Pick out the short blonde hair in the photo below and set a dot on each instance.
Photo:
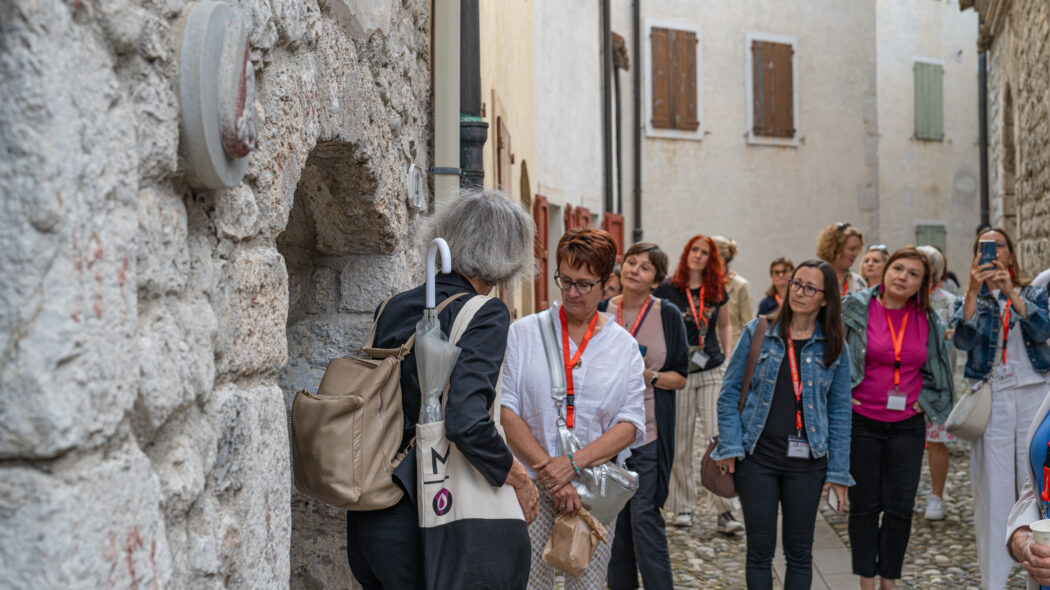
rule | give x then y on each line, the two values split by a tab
832	240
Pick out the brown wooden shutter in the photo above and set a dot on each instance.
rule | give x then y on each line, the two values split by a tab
773	89
613	223
683	76
570	217
542	214
583	217
661	90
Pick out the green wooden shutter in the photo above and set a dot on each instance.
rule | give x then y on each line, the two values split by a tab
929	101
932	235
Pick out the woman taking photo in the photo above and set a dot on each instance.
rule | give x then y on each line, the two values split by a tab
839	244
698	289
604	378
1002	327
792	439
873	263
779	272
383	545
899	370
640	545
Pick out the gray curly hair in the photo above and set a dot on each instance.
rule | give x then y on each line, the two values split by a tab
489	236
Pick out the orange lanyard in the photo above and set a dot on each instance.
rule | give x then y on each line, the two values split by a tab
898	343
570	404
638	319
845	285
796	382
698	312
777	297
1004	319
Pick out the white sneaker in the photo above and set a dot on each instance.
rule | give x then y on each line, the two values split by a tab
683	519
934	508
729	525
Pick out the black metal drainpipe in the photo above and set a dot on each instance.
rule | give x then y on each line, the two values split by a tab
639	127
982	114
619	144
473	131
607	65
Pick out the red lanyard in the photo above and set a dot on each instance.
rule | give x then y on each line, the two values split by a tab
898	343
845	285
796	382
698	313
638	319
570	404
1004	319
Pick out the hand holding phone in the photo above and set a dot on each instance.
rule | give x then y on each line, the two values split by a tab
986	248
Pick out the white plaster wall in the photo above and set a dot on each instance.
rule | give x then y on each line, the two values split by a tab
922	181
772	200
567	111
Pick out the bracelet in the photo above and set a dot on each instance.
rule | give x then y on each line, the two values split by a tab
574	467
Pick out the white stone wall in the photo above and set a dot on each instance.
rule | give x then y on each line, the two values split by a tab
152	334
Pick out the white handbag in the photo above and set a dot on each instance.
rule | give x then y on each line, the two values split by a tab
969	418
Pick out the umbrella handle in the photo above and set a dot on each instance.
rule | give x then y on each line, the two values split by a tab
446	266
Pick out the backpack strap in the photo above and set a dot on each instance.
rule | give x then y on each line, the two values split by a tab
752	358
459	327
402	351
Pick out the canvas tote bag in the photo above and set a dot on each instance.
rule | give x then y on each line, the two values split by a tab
474	534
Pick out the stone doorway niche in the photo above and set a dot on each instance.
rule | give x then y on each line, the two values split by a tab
336	243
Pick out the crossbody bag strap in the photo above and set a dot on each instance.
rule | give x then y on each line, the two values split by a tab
459	327
402	351
752	358
553	354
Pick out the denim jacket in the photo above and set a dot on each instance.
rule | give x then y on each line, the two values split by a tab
937	385
979	336
825	400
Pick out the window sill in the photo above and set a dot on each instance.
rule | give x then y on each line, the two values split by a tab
661	133
791	142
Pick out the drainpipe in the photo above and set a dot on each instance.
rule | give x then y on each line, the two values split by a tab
473	131
446	100
619	144
607	66
639	126
982	115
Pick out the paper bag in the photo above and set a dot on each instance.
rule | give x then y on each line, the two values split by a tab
573	541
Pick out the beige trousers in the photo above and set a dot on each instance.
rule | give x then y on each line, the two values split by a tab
700	397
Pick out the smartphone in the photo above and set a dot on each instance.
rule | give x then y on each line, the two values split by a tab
986	248
833	500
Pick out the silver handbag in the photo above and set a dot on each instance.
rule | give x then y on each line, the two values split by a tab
603	489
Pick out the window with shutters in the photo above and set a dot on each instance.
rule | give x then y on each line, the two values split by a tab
929	99
672	79
772	89
613	223
541	212
932	234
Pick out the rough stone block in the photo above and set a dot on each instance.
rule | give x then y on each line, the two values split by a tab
367	280
360	18
238	215
162	257
87	522
256	309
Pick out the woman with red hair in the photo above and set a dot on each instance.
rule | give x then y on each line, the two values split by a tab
698	289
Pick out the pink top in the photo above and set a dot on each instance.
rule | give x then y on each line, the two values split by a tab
872	392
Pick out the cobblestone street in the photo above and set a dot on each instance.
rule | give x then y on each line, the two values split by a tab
941	555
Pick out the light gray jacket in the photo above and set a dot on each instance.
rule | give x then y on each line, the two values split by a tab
1026	509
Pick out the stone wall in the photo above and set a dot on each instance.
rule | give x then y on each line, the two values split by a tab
152	335
1019	128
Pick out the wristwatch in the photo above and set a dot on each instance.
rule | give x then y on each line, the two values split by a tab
652	380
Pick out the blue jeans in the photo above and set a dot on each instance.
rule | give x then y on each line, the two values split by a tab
641	536
886	461
762	491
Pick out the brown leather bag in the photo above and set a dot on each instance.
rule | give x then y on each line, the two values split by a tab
720	482
345	438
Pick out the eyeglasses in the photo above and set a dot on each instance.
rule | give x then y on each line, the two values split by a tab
783	271
807	290
582	287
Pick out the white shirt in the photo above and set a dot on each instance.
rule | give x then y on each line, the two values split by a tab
1018	371
609	384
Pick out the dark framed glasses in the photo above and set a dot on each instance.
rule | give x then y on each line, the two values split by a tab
807	290
582	287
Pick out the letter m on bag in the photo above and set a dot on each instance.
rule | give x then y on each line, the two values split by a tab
435	456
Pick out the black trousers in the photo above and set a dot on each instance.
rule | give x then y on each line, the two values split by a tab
383	547
762	492
886	461
640	543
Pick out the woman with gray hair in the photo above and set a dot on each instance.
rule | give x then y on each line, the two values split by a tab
491	242
937	435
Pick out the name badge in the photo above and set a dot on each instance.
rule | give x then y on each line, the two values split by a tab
1004	377
896	400
798	448
700	359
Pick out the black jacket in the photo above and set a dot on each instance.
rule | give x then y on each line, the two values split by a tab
468	423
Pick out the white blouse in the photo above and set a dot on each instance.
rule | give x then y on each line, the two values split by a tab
609	384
